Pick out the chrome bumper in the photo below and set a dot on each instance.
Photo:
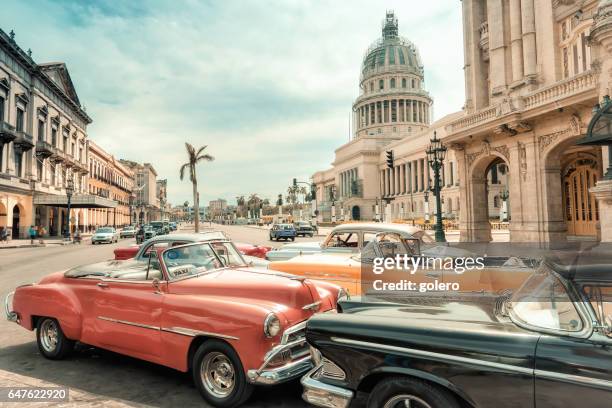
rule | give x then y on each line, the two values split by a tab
11	316
300	364
324	395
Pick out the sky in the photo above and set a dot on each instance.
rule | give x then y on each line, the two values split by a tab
267	85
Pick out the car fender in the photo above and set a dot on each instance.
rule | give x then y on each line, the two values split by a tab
409	372
189	318
50	300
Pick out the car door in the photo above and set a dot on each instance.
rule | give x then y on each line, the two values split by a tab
128	308
573	372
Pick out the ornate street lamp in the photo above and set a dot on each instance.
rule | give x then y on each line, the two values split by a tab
504	195
435	156
69	192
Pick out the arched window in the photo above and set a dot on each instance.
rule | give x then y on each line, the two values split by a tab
403	82
392	82
575	51
381	84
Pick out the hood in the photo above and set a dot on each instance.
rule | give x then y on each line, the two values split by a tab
272	290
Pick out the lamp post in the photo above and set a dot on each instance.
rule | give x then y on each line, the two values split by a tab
69	192
435	156
504	195
426	204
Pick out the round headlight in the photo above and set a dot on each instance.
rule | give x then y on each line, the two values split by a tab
272	325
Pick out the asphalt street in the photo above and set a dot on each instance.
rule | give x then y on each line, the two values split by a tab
99	378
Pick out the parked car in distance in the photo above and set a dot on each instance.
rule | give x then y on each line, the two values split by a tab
140	252
342	257
258	251
128	232
304	228
173	226
149	232
549	344
160	227
282	231
106	235
195	308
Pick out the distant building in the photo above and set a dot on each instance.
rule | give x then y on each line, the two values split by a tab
145	201
110	179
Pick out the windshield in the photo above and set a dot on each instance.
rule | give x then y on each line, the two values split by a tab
543	302
104	230
197	258
190	260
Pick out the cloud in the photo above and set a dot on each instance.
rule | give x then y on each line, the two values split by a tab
267	85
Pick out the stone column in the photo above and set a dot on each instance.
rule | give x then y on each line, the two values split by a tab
516	40
601	34
603	194
497	46
529	38
404	108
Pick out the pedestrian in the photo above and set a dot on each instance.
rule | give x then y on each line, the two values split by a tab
77	236
41	233
3	234
32	234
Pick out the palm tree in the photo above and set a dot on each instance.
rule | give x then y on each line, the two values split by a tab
194	158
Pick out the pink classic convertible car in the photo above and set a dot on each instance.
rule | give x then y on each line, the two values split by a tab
195	307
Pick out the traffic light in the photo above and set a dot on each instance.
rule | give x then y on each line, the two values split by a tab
294	182
390	159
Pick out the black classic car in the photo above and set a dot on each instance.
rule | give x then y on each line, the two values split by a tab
548	344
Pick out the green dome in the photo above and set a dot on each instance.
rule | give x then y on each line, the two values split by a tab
391	51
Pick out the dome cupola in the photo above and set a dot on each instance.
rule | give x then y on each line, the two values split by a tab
391	52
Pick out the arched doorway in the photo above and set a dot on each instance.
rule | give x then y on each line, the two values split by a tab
356	213
487	198
16	222
580	207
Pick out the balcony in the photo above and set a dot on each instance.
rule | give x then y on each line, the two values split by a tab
23	141
7	133
550	97
563	89
44	149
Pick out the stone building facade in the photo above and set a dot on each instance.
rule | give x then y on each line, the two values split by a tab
110	179
43	142
533	73
145	200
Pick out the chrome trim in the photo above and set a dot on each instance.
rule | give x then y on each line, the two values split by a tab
569	378
324	395
177	330
144	326
194	333
291	330
11	315
437	356
313	306
280	374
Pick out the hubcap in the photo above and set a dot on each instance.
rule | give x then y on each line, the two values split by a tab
406	401
218	374
48	335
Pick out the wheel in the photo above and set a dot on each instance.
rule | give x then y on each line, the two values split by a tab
219	376
271	239
408	392
292	238
310	235
52	342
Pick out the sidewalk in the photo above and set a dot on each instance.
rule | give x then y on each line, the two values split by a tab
26	243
